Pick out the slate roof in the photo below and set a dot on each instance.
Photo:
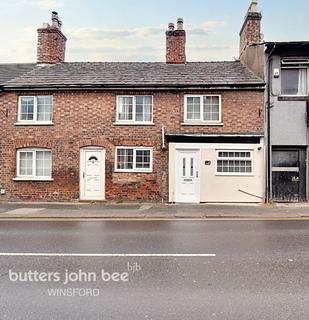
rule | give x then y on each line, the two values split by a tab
9	71
136	74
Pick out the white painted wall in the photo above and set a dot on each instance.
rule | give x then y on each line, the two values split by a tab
216	188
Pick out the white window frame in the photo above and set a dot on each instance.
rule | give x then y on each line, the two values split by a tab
133	121
294	63
140	170
201	119
33	177
237	159
35	111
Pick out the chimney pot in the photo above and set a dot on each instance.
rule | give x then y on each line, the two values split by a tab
180	24
253	6
171	26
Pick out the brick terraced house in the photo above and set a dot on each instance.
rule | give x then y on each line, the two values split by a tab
172	131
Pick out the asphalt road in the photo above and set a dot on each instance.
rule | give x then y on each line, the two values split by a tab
259	270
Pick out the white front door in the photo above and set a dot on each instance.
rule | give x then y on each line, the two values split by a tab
92	174
187	176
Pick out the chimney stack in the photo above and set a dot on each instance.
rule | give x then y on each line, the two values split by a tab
250	32
176	43
51	42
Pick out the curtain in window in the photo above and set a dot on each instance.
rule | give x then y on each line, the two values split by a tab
302	82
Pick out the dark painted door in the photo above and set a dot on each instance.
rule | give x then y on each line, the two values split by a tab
288	175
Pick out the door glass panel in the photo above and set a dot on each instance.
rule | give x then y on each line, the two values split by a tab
285	158
191	167
183	167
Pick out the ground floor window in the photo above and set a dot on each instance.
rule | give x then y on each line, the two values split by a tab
234	162
34	163
133	159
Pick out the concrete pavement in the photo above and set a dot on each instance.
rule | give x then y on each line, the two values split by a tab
151	211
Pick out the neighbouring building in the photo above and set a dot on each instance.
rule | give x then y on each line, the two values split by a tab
287	114
172	131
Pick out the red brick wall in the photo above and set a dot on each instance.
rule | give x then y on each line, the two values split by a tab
176	46
51	45
251	31
86	118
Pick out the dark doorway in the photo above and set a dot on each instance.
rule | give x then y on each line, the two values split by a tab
289	174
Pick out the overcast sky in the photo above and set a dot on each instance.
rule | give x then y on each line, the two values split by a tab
133	30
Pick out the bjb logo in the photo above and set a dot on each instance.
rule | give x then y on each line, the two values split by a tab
134	267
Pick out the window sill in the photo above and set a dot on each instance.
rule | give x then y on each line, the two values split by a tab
202	123
32	179
133	123
131	171
234	175
293	98
43	123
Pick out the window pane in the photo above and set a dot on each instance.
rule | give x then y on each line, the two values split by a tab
236	162
26	108
44	108
143	108
43	163
142	159
125	108
211	108
125	159
193	108
294	81
26	163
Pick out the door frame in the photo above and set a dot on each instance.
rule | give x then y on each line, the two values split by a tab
82	169
198	158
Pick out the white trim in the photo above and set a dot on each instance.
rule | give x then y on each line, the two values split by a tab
237	159
33	123
205	123
33	177
200	120
133	121
139	170
285	169
82	170
35	113
129	123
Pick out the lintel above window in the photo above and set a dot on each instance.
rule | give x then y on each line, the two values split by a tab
202	109
134	110
35	110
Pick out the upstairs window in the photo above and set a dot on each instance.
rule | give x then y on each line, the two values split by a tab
134	109
294	77
206	108
34	164
35	109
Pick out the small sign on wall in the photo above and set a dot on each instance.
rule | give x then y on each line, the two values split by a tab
207	163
